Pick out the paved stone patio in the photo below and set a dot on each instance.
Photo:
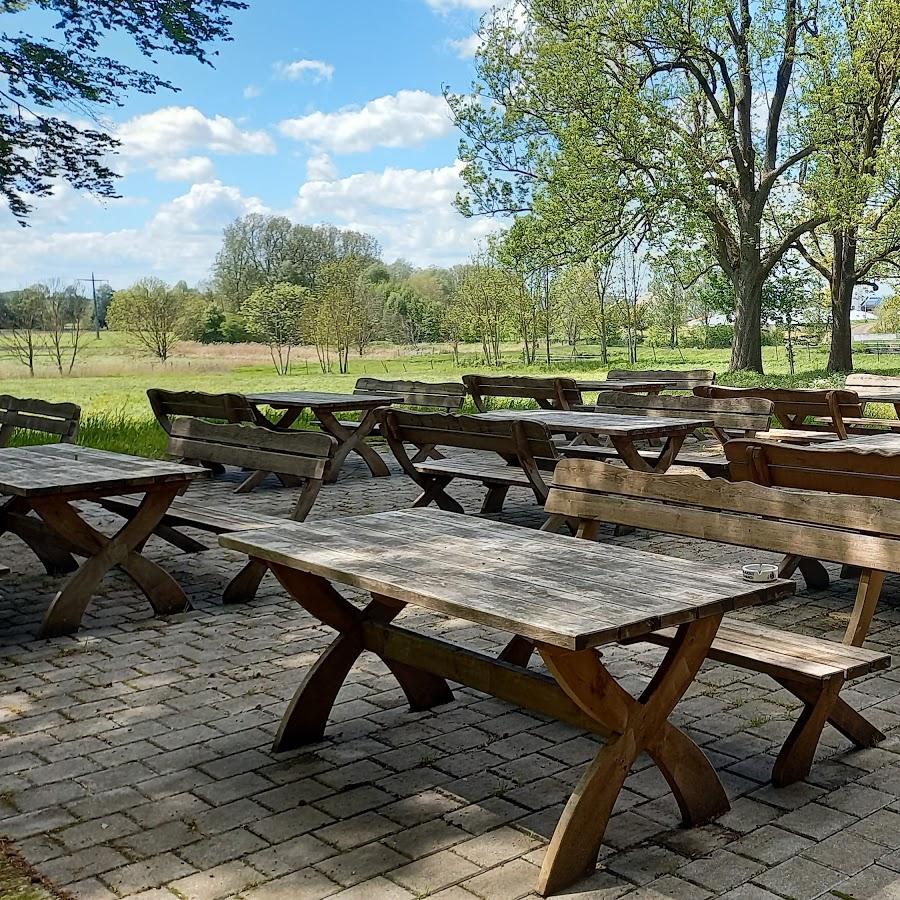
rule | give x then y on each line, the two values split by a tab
135	760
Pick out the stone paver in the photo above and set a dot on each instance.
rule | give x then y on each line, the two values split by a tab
135	758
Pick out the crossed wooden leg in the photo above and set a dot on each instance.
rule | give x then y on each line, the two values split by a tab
822	704
307	714
814	573
633	725
54	553
103	553
351	441
629	454
433	491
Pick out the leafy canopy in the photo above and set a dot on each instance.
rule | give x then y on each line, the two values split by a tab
50	83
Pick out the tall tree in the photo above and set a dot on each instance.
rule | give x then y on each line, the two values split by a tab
853	92
44	78
274	314
680	109
154	314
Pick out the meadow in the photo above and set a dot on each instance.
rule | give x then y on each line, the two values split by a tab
112	374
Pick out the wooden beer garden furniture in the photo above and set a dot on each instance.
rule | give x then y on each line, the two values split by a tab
516	454
642	381
301	455
48	480
859	530
447	396
863	466
547	393
799	409
624	432
508	578
744	416
324	407
59	420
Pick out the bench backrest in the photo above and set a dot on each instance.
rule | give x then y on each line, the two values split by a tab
859	531
684	379
864	379
19	414
851	471
792	407
447	395
304	454
738	416
521	442
548	393
169	405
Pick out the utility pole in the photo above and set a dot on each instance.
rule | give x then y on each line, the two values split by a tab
93	280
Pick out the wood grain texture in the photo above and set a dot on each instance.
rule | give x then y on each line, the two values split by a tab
547	393
61	420
677	379
603	424
506	577
315	399
51	469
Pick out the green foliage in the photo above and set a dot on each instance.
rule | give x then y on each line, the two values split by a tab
155	314
70	72
274	315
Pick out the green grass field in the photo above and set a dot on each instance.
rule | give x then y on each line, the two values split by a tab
112	375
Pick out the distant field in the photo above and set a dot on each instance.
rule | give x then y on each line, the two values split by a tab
112	375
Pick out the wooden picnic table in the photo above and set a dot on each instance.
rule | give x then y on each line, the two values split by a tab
48	480
324	406
631	387
508	578
623	432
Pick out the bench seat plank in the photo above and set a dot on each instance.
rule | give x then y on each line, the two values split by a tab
784	654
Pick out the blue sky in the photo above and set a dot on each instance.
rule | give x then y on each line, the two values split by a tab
322	111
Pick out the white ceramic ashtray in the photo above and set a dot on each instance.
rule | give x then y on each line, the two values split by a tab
759	572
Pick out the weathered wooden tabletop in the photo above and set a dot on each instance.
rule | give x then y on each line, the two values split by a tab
609	424
637	386
546	587
885	442
70	469
313	399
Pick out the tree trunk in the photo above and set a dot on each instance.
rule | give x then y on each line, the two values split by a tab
842	283
746	351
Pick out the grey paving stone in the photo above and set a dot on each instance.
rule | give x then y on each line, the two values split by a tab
800	878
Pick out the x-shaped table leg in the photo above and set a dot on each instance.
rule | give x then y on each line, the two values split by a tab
629	454
634	726
103	553
54	553
351	441
307	714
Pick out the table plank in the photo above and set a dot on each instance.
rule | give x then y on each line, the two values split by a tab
884	443
608	424
70	469
506	576
313	399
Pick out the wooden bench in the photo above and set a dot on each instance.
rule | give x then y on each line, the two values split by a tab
167	406
798	410
853	529
742	416
301	454
60	420
547	393
674	379
521	450
836	471
446	396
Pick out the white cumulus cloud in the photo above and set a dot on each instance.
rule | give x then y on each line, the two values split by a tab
320	167
186	168
410	211
251	92
466	47
174	131
403	119
314	69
